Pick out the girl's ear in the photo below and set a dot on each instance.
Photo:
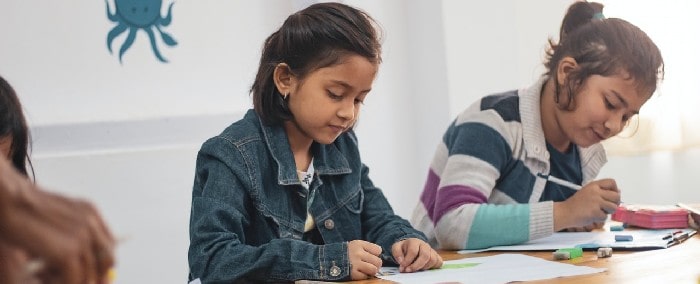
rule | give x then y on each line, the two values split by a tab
564	68
283	78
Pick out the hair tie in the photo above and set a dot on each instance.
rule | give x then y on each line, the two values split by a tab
598	16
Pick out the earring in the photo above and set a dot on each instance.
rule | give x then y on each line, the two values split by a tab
284	103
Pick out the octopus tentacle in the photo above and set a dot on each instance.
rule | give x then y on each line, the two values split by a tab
127	43
154	47
167	38
115	32
166	21
110	16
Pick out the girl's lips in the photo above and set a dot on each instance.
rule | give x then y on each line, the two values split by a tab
600	137
338	128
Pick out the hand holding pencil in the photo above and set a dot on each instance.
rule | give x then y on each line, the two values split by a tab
588	206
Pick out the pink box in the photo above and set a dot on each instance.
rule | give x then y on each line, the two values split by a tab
652	216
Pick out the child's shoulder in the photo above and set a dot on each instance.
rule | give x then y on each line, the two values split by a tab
501	106
505	104
242	131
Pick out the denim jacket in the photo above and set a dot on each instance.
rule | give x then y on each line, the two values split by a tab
249	208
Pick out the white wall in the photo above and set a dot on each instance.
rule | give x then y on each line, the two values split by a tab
496	46
659	178
126	135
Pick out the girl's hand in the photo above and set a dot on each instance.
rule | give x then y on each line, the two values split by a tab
66	239
591	227
589	205
415	255
364	259
13	265
695	220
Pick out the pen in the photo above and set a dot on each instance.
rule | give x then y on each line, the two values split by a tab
681	238
559	181
670	235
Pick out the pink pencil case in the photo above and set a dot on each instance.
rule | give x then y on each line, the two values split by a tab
652	216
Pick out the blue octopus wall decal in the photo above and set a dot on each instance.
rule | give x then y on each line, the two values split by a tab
134	15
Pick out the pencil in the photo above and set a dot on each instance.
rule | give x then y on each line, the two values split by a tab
561	182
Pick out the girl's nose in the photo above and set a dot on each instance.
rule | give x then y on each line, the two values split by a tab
347	111
614	125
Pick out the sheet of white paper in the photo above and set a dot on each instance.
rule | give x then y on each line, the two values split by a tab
649	239
502	268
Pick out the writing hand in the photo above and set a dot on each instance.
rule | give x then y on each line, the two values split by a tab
415	255
591	204
364	259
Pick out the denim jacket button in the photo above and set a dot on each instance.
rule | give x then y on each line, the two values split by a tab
329	224
335	271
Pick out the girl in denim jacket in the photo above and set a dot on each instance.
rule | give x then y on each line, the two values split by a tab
282	194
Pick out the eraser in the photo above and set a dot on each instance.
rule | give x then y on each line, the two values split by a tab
623	238
604	252
573	252
561	255
588	246
617	228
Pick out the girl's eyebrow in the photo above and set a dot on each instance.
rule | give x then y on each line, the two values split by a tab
623	101
348	86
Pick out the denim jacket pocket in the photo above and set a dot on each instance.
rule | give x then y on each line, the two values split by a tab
355	201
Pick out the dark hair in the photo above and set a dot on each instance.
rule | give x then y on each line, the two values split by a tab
603	47
12	123
319	36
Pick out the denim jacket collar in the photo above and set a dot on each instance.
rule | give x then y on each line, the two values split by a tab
328	160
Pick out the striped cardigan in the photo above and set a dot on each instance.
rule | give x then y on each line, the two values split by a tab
483	187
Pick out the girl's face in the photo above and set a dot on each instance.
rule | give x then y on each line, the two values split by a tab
5	146
327	102
603	107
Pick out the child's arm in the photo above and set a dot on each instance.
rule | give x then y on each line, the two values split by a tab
218	256
473	157
379	223
219	249
477	226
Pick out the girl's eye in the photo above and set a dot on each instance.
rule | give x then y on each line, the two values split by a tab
609	105
334	96
359	101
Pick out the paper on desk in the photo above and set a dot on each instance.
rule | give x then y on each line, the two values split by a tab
642	239
502	268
